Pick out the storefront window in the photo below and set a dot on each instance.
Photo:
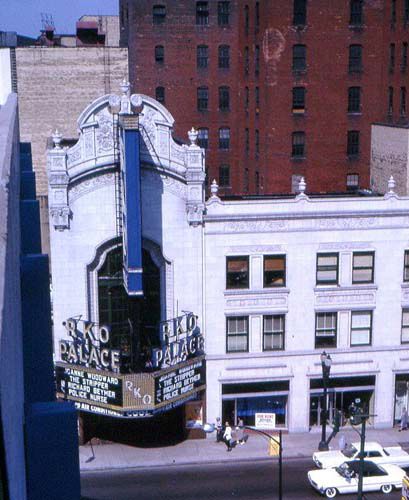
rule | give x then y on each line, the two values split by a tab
243	401
342	392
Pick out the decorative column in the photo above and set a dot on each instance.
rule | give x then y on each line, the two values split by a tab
60	212
195	177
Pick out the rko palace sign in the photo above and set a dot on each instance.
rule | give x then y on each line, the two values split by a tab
88	372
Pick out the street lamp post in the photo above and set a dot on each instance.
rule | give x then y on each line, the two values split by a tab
326	362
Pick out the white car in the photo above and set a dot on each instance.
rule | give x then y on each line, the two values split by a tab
394	455
344	478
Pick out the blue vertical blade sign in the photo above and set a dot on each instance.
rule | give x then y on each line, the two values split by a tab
131	205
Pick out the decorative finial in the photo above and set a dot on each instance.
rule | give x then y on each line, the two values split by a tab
214	188
391	185
302	185
192	136
125	86
57	138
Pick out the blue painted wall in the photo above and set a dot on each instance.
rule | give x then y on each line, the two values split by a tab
51	434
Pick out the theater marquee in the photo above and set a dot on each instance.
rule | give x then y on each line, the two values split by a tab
130	395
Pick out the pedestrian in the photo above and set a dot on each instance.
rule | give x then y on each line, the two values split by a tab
404	420
227	436
219	430
240	434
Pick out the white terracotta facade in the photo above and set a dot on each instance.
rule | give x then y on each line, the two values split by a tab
190	239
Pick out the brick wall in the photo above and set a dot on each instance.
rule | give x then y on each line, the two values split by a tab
54	87
326	122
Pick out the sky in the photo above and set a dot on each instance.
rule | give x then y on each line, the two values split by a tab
24	16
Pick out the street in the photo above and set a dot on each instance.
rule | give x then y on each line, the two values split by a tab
256	480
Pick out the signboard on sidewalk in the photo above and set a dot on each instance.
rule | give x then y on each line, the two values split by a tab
130	395
265	420
274	446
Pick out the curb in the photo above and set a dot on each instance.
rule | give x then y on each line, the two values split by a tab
196	463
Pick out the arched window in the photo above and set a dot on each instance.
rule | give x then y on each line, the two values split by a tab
134	321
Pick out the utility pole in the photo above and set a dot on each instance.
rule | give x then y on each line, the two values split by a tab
361	459
357	416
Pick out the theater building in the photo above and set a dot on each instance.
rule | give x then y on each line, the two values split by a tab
150	281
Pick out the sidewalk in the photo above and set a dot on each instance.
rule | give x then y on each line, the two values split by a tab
118	456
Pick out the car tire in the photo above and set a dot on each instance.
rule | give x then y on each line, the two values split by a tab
331	492
386	488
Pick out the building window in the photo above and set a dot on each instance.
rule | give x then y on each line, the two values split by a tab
298	99
224	138
203	137
257	142
352	182
353	143
246	99
355	58
257	17
237	334
361	328
224	176
159	14
273	332
354	99
257	181
160	94
325	330
393	13
224	98
247	140
237	272
223	10
406	266
298	145
391	58
299	58
257	60
403	101
300	13
327	269
356	13
202	13
246	19
202	98
224	56
257	99
246	60
404	63
274	271
202	56
363	267
246	181
390	101
159	54
405	327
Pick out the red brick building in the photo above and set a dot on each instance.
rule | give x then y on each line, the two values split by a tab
278	90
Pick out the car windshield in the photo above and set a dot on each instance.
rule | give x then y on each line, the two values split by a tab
343	470
349	450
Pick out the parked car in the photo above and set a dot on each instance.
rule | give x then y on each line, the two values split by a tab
394	455
344	478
